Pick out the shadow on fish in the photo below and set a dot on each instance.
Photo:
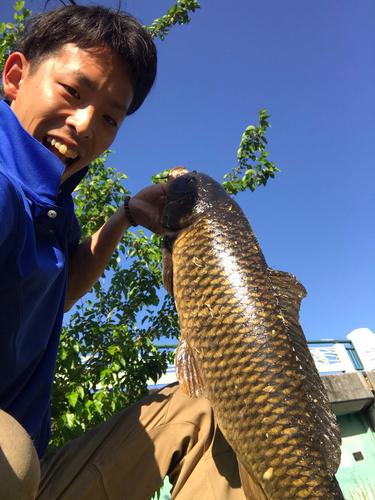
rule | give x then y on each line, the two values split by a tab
243	348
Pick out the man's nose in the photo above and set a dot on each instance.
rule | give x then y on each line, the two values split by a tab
82	120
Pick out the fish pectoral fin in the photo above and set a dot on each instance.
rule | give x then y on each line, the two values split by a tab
187	370
251	489
167	270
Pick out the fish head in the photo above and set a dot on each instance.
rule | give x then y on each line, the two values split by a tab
181	199
189	195
182	208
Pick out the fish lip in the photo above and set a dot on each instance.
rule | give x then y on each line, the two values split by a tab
176	172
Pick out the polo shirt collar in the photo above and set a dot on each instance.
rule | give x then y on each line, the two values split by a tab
26	159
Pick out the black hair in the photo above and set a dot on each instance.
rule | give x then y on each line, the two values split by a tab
89	27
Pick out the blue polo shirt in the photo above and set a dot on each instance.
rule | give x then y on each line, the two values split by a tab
38	231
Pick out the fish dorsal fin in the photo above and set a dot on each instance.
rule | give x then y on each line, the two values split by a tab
167	270
187	371
290	293
251	489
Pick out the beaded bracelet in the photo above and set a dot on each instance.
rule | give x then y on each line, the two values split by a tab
127	212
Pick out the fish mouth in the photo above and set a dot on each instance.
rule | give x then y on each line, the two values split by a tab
63	152
176	172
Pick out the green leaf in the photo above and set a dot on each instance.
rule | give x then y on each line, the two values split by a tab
80	391
19	5
116	366
72	397
112	349
98	406
70	419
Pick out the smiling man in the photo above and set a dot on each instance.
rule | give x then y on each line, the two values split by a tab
77	73
86	96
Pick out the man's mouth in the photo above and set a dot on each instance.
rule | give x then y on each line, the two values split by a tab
61	150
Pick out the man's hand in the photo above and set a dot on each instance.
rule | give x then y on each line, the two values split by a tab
147	206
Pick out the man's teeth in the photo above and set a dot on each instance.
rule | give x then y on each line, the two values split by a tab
63	148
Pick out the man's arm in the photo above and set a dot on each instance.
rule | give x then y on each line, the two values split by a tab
92	255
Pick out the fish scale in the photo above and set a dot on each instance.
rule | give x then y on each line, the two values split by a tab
239	338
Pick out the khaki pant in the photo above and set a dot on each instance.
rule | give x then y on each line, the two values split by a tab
128	456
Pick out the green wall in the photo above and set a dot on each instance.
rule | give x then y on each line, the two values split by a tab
357	478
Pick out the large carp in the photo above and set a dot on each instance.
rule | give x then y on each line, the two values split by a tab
242	345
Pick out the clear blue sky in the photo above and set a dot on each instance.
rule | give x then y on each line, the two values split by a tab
311	63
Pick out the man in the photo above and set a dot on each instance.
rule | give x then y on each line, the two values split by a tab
76	75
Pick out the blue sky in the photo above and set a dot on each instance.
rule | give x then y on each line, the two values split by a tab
311	64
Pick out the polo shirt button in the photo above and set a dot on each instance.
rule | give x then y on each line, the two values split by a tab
51	214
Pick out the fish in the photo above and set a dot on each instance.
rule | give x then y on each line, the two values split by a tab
242	345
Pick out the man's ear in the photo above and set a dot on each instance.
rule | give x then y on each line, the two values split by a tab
15	70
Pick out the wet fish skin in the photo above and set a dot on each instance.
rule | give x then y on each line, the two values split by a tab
241	344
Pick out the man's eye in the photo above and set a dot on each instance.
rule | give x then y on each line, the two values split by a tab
71	91
110	120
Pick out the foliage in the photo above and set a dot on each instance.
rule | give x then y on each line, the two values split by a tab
252	141
12	32
179	13
107	351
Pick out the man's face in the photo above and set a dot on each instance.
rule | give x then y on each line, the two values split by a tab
74	103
